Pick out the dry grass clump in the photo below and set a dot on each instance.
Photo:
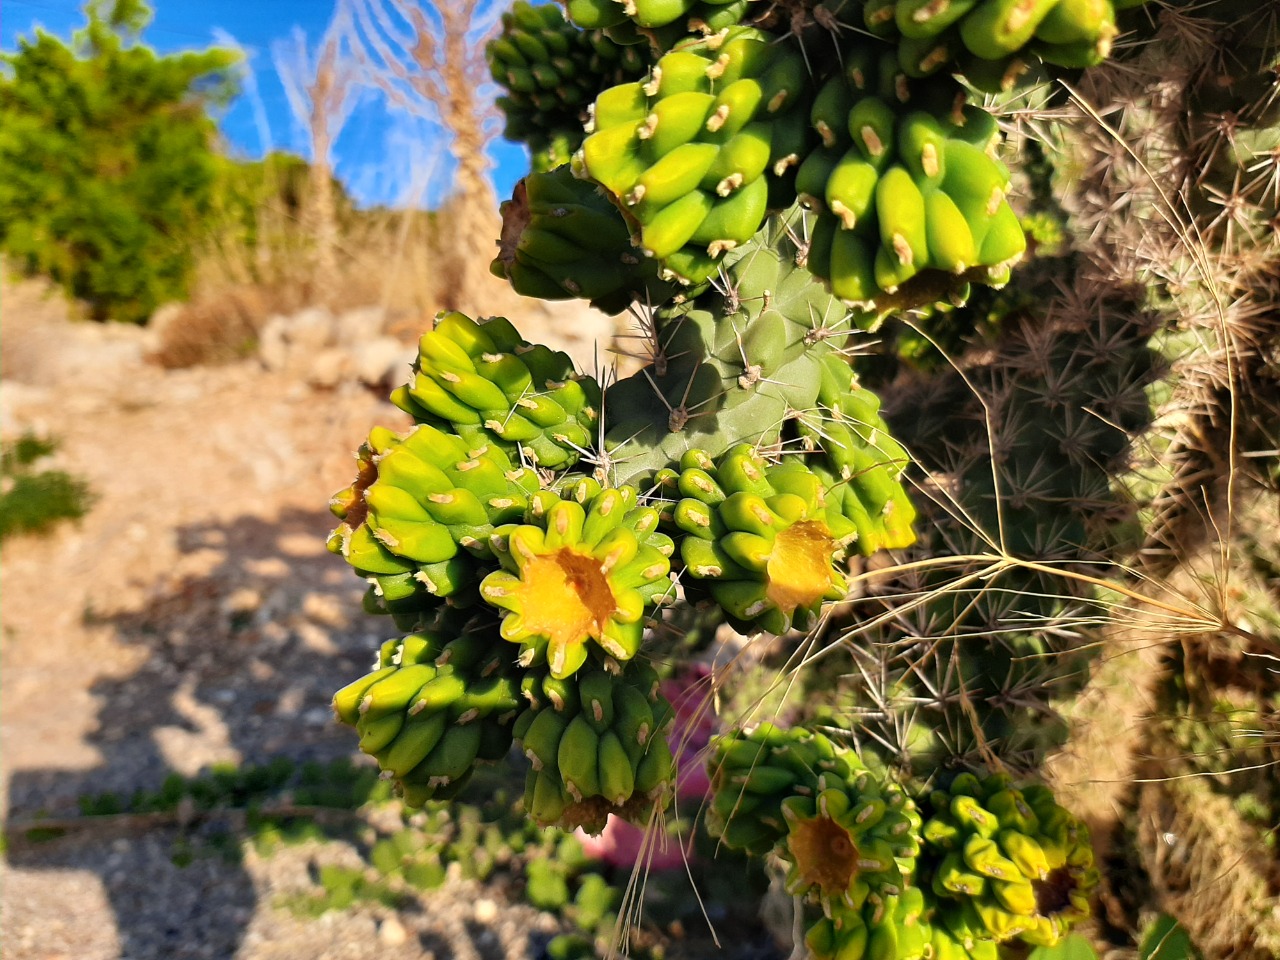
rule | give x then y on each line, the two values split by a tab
217	328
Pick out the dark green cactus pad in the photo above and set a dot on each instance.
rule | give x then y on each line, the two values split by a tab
730	362
562	239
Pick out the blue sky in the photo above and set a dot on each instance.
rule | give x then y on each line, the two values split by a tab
383	155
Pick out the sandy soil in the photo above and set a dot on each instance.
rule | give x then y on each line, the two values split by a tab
192	617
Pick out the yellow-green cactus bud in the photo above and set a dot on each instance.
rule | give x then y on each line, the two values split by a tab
1011	862
758	777
490	387
762	537
840	847
418	518
849	447
438	701
597	746
579	575
689	155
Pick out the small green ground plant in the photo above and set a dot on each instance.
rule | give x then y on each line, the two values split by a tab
32	499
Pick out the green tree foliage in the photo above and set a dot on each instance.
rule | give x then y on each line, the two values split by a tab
107	163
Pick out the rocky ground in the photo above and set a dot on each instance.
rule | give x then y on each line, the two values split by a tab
193	617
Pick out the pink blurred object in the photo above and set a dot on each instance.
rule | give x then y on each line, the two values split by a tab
695	724
622	844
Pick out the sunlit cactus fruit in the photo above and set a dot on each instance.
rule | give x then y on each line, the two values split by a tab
579	576
596	744
550	72
1006	861
911	205
562	239
417	520
491	388
756	775
995	42
688	154
844	844
438	701
963	946
893	925
762	538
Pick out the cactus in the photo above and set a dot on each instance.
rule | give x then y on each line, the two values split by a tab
796	202
550	72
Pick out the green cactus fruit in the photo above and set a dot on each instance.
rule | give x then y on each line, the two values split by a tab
762	538
1006	861
961	946
914	212
598	748
981	38
890	926
439	701
561	238
550	72
849	447
417	520
681	154
493	389
842	936
756	775
579	575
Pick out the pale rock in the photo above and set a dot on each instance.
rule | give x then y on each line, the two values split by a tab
162	321
391	933
361	325
273	344
327	368
383	361
310	330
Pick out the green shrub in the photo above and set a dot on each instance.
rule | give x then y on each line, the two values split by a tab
32	500
106	160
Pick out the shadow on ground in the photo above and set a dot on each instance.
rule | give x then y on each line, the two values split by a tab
239	665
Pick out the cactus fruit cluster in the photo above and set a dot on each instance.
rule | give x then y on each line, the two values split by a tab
950	872
800	204
551	72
